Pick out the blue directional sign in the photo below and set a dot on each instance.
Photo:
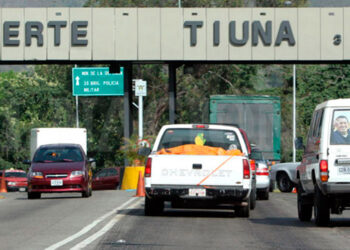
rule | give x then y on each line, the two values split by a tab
97	82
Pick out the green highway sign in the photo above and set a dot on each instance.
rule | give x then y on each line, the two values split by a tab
97	82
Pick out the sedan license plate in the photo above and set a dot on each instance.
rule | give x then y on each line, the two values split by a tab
56	182
22	189
343	170
193	192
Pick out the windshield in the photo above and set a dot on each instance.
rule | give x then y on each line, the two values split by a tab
257	155
15	174
340	133
226	139
59	154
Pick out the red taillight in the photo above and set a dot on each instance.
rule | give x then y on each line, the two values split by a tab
324	170
246	169
148	167
262	170
200	126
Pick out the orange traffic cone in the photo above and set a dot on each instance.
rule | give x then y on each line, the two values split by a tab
3	188
294	190
140	192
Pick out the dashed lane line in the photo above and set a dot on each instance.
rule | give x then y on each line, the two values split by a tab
104	230
90	226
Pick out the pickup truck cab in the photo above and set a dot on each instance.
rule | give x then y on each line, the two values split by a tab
201	163
323	176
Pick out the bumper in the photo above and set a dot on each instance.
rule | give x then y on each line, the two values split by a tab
218	194
262	182
336	188
16	188
77	184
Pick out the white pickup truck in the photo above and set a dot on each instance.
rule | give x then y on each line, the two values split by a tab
200	163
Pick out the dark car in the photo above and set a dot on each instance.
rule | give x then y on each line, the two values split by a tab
107	178
59	168
16	180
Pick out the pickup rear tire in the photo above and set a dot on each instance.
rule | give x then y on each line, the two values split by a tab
243	211
252	199
304	207
284	184
321	208
153	206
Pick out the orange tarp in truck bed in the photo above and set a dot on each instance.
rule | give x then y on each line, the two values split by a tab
192	149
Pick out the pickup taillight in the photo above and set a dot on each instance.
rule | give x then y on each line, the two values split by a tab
148	167
246	169
324	170
253	166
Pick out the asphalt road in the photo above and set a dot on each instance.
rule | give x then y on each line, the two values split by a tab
56	220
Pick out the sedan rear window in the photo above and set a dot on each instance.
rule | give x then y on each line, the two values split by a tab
226	139
59	154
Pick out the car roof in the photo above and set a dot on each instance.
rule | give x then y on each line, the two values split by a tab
211	125
59	145
334	103
13	171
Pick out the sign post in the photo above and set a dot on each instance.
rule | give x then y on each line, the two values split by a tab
140	91
97	82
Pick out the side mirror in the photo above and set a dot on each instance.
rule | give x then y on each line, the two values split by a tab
299	143
27	162
144	151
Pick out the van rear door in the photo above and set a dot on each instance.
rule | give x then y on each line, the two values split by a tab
339	146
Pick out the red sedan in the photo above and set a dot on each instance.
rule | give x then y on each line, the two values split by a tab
59	168
16	180
107	178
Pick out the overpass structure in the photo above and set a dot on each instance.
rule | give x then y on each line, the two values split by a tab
173	36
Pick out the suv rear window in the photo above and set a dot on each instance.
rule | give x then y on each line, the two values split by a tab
58	154
226	139
340	132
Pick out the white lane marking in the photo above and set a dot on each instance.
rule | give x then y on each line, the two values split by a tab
104	230
90	226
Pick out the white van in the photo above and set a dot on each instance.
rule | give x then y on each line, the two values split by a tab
324	173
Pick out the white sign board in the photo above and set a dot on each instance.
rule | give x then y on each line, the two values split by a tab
178	34
140	88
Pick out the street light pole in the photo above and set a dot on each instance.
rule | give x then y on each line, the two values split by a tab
294	111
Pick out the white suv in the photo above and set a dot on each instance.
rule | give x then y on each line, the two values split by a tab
324	173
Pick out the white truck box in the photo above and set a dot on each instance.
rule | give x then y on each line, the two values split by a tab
43	136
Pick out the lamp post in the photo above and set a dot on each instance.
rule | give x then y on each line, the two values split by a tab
294	111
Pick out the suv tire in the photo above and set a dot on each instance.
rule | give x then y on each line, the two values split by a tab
264	195
321	208
304	208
